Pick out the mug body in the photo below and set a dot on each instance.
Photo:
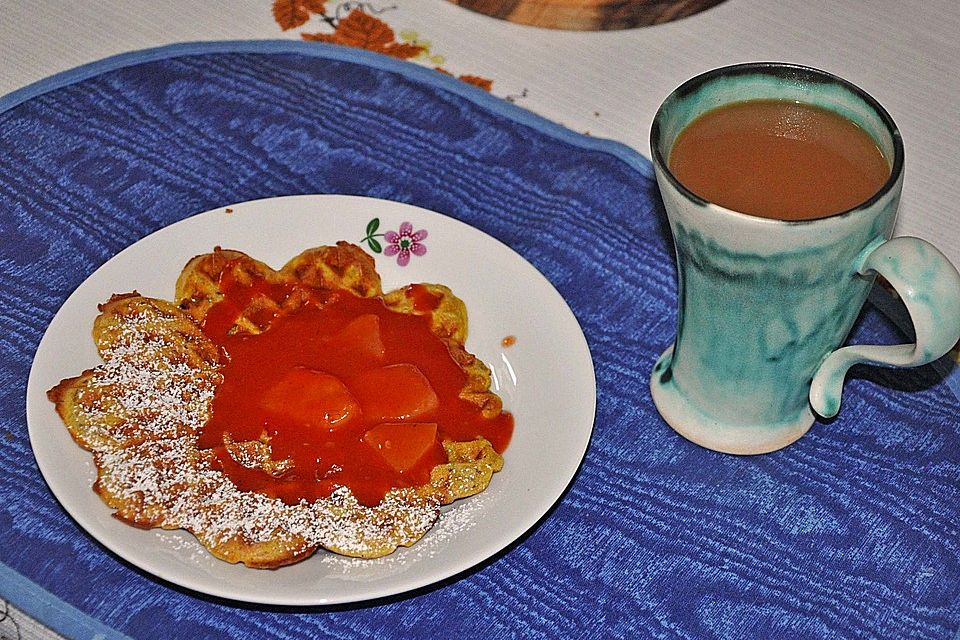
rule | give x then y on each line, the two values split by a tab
761	302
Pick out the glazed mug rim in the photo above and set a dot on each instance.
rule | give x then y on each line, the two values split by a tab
784	70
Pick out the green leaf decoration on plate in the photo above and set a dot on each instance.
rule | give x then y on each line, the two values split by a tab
372	235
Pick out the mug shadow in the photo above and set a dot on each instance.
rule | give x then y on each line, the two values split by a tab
917	379
889	323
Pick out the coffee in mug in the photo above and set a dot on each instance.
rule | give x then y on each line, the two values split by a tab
778	159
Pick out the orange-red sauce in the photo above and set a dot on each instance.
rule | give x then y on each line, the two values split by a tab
324	376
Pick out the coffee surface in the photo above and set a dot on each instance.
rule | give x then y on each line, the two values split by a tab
778	159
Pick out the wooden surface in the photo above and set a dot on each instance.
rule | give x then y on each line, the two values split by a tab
588	15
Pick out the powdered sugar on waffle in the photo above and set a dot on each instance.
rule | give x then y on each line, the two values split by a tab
151	403
154	396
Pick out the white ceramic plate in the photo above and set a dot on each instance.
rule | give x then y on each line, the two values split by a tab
545	378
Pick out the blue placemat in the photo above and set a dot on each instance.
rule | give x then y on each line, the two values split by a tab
852	532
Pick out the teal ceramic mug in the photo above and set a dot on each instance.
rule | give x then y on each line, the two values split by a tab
765	304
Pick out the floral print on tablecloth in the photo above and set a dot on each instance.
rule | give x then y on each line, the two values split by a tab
355	24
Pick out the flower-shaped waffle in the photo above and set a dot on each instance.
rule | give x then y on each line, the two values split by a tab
171	451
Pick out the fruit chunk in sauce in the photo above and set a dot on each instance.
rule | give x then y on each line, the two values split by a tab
349	391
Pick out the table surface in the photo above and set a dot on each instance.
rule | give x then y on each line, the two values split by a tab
607	84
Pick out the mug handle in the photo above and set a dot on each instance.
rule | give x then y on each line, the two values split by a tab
929	286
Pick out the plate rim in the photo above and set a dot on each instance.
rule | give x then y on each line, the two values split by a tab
467	560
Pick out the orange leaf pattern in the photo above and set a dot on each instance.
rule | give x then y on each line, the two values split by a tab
477	81
364	31
290	14
361	30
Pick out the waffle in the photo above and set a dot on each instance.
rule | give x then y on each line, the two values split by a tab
344	266
141	411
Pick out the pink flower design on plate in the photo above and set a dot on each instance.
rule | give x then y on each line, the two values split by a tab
405	243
